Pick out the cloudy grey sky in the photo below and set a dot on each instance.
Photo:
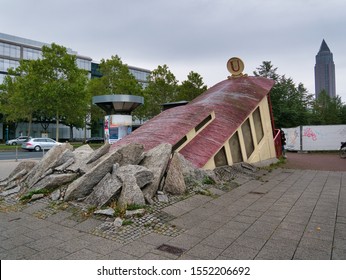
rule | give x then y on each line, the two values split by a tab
197	35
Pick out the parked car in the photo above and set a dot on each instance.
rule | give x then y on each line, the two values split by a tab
94	140
38	144
17	141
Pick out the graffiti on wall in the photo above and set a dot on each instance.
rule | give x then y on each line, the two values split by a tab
308	132
315	137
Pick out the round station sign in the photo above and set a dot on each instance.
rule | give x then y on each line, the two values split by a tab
235	66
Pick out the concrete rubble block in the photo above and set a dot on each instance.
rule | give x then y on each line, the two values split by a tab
142	174
130	193
37	196
95	155
81	155
192	173
161	197
156	161
18	174
55	195
131	154
64	166
11	191
107	212
54	181
174	182
84	185
132	213
48	161
105	191
65	156
26	165
14	180
118	222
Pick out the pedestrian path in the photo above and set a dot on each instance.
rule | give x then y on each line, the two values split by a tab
285	214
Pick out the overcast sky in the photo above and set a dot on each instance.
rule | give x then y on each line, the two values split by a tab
190	35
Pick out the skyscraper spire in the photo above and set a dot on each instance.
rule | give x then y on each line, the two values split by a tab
324	47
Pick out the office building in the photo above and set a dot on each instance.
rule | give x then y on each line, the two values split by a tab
14	48
325	71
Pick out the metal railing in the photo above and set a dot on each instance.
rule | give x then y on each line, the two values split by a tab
277	143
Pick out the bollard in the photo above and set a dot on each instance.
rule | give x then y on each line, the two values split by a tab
16	154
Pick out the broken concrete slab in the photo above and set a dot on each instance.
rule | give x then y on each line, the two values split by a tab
130	193
84	185
48	161
53	181
142	174
131	154
81	154
26	165
95	155
107	212
156	161
174	182
11	191
105	191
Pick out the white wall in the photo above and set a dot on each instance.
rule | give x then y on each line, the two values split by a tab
315	137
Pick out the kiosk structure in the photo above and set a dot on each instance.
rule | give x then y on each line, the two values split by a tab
118	119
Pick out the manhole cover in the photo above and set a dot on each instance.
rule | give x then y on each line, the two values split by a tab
171	249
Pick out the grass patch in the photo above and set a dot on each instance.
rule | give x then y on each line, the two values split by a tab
208	181
134	207
127	223
29	195
280	163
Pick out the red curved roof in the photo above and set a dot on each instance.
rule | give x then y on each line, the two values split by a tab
232	100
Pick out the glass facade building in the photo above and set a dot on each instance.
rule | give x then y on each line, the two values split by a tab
14	48
140	74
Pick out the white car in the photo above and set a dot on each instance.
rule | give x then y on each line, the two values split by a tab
38	144
17	141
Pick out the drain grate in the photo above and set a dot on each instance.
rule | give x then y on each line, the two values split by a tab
258	193
171	249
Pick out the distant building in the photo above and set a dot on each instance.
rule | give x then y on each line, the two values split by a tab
325	71
13	49
140	74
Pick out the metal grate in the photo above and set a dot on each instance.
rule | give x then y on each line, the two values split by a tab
171	249
260	193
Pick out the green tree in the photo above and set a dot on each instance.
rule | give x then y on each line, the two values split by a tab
116	79
64	86
267	70
162	88
53	87
290	103
19	100
191	88
327	110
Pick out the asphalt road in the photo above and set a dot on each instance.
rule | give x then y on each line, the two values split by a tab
20	154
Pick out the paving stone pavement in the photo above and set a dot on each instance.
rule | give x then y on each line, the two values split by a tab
286	214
